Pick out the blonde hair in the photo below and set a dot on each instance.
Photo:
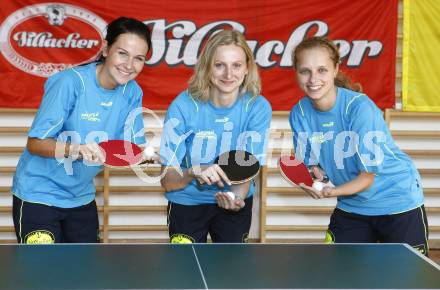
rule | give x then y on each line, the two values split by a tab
341	80
200	82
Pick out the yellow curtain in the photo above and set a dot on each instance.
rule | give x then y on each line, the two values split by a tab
421	55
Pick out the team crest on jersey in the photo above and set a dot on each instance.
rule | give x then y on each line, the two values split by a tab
39	237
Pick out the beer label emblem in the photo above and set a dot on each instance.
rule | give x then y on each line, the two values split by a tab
46	38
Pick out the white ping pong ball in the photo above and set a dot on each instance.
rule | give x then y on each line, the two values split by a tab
230	194
148	152
318	185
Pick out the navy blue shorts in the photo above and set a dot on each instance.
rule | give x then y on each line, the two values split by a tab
37	223
192	223
409	227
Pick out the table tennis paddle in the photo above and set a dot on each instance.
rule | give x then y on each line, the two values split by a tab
121	153
294	171
239	166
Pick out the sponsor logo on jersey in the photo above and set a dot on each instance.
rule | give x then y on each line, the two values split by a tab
328	124
107	104
92	117
222	120
206	134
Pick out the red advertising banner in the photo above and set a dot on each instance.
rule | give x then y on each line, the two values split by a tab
38	38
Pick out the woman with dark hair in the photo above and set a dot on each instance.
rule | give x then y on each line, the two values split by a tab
341	134
222	110
53	191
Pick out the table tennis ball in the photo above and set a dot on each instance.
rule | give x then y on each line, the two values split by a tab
148	152
318	185
230	194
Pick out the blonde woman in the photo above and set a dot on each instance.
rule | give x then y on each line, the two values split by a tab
222	110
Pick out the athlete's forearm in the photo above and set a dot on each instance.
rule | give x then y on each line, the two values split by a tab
241	190
174	180
362	182
47	147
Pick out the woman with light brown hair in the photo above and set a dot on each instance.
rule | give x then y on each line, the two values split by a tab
341	134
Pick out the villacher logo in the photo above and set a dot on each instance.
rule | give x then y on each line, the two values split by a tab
45	38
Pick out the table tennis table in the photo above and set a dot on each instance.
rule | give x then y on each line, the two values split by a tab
216	266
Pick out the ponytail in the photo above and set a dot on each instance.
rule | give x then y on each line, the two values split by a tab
343	81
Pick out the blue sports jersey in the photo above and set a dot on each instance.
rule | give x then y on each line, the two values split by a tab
195	133
76	108
350	138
